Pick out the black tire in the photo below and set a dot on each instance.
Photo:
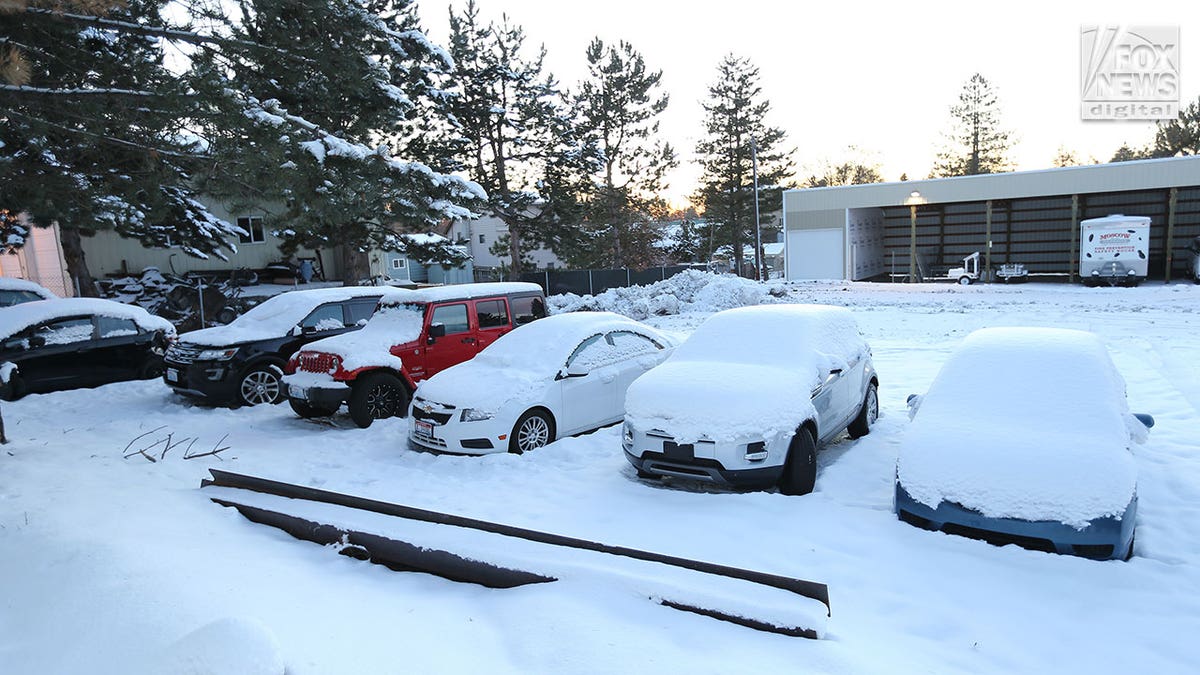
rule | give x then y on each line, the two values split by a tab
533	430
261	384
377	396
964	281
226	316
800	470
151	369
309	411
14	390
861	426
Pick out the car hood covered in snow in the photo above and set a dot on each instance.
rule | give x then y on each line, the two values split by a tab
993	433
393	324
746	373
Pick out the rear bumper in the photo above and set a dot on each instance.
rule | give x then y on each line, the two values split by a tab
1107	538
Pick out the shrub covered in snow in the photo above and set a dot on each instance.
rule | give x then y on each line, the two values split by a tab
688	291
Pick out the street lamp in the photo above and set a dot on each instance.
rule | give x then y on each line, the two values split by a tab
913	200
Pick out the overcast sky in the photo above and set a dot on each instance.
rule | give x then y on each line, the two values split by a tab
877	75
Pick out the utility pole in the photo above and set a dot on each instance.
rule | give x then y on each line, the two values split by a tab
758	249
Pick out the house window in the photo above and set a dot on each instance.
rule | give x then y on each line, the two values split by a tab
481	238
254	226
398	263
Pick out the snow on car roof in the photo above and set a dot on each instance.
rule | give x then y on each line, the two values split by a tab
1027	423
466	291
279	314
17	318
16	284
746	373
525	359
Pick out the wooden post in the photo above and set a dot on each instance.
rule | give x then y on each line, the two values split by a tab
1074	261
912	246
1170	231
987	256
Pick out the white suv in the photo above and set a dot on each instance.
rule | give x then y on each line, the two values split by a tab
750	395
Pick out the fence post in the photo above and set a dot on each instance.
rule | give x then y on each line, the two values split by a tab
591	288
547	282
628	279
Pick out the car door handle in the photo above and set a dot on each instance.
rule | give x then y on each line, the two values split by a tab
468	340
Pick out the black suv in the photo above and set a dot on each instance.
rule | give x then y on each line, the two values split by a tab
241	363
79	342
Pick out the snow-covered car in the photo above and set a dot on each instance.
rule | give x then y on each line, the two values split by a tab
79	342
749	397
562	375
14	291
1024	438
241	363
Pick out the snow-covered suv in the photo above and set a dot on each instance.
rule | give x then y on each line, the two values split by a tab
749	396
410	338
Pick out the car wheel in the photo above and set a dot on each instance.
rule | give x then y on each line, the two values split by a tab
800	470
861	426
14	390
260	385
151	369
533	430
964	281
309	411
377	396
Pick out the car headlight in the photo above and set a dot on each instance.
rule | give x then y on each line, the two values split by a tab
216	354
473	415
626	434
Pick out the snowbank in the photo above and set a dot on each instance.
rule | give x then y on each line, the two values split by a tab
1027	423
279	314
688	291
17	318
746	373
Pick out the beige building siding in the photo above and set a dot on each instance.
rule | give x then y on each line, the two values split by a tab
40	261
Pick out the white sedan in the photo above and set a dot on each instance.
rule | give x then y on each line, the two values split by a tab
559	376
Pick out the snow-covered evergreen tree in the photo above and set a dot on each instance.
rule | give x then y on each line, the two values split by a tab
522	144
735	115
90	134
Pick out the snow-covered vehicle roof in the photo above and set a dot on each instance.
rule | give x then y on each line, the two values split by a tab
746	372
1024	423
276	316
17	318
526	359
15	291
468	291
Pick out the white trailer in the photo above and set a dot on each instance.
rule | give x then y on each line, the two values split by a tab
1114	250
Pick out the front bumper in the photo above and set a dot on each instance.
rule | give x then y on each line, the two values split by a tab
1107	538
725	462
438	427
319	397
207	380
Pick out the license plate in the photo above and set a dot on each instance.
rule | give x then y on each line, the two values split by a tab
673	450
172	375
423	429
297	392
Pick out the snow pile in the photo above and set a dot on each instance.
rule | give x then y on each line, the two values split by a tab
746	373
1027	423
281	313
526	360
688	291
17	318
231	645
393	324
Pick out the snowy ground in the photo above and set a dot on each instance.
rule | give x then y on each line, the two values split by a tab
123	565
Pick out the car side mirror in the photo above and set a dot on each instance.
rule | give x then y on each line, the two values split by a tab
296	330
36	341
914	402
572	371
436	330
1145	419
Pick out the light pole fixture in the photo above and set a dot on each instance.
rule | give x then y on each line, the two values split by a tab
914	198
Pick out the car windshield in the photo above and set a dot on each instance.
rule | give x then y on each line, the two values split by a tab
280	313
10	297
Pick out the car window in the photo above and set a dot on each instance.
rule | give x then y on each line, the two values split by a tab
593	353
109	326
325	317
65	331
528	308
628	344
453	317
491	313
9	297
359	311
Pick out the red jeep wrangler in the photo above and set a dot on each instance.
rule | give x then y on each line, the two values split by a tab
409	338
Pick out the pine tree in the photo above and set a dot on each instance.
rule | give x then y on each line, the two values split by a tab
976	144
1125	153
521	142
1065	157
857	169
1180	136
735	117
90	132
329	115
619	105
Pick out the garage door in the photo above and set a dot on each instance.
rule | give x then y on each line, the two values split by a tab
816	254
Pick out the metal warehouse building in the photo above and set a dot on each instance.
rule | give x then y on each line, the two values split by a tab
861	232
